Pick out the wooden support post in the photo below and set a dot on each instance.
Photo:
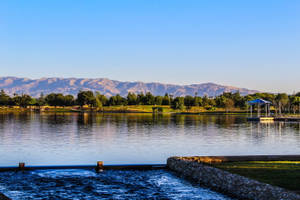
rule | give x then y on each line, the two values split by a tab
266	109
21	166
279	107
99	167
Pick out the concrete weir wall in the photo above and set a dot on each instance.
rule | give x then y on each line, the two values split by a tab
227	183
3	197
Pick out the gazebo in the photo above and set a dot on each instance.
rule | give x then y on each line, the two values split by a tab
259	103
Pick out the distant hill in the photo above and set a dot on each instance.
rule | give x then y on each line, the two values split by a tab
109	87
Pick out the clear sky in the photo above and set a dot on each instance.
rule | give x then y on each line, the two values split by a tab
245	43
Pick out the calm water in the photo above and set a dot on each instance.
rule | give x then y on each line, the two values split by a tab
65	139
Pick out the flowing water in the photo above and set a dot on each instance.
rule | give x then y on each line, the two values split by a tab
110	184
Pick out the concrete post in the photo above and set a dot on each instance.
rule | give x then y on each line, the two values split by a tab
99	167
21	166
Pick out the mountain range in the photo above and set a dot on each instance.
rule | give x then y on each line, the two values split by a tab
108	87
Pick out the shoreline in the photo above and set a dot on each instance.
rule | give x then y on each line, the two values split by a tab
204	170
125	109
283	117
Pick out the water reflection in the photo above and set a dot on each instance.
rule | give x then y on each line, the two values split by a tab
74	138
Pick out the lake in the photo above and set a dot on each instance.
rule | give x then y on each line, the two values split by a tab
84	139
80	139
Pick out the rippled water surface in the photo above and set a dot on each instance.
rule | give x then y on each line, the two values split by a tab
111	184
67	139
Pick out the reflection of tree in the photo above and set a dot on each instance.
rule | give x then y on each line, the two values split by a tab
55	118
85	119
296	127
179	120
11	120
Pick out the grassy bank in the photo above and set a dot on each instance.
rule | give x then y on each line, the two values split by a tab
131	109
13	109
123	109
285	174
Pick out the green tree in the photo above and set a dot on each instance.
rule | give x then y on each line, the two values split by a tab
50	99
102	98
98	103
178	103
69	100
117	100
158	100
141	99
282	100
33	102
131	99
4	98
229	104
189	101
55	99
149	99
295	102
41	100
205	101
197	101
237	100
221	101
166	100
86	98
23	101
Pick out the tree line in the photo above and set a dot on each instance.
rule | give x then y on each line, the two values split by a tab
281	102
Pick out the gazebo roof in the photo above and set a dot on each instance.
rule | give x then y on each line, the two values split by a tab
258	101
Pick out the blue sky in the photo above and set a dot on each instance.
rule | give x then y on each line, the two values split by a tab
252	43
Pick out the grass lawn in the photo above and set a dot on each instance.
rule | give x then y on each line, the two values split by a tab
166	109
134	108
125	109
285	174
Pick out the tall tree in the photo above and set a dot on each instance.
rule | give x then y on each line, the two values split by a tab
55	99
69	100
178	103
4	98
149	99
166	100
189	101
282	100
86	98
23	101
131	98
102	98
229	104
141	99
158	100
41	100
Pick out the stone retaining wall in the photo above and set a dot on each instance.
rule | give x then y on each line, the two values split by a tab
3	197
227	183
